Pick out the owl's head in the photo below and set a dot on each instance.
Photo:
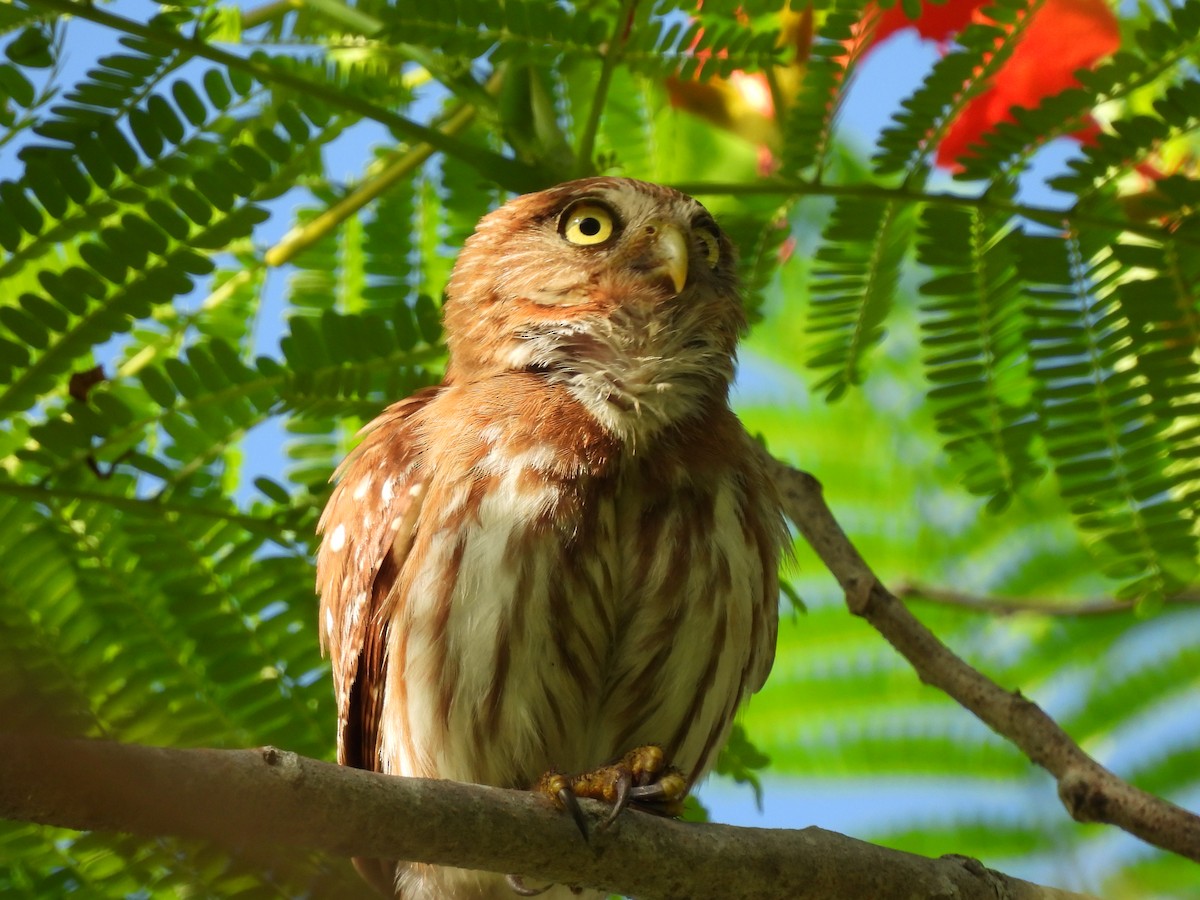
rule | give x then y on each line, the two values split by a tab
621	290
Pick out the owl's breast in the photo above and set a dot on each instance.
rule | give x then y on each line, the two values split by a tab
696	609
567	598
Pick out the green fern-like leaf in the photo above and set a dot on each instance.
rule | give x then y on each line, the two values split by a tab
1114	153
146	257
855	276
809	127
389	250
529	30
1170	673
933	834
974	329
1161	307
1104	442
119	85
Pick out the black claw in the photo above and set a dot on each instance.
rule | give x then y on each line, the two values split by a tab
648	792
518	886
568	799
624	785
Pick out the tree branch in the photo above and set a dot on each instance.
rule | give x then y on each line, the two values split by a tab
1090	792
241	798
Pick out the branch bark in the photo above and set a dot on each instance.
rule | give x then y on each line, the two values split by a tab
267	797
1090	792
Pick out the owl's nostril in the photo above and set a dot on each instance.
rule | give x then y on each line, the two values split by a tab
651	229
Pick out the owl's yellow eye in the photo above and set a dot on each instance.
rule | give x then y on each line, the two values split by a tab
711	244
587	223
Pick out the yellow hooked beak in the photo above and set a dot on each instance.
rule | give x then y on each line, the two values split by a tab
669	249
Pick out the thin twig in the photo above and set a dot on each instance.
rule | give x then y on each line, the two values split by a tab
1006	606
1090	792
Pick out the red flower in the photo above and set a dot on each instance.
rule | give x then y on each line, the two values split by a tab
1063	37
936	22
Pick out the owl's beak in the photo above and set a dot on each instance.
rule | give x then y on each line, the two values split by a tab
669	253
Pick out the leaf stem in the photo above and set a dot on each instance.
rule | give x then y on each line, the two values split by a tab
260	15
612	54
350	17
1044	215
281	382
34	494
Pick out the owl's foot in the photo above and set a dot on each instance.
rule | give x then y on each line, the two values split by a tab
641	778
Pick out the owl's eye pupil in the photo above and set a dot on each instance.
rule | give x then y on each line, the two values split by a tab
590	226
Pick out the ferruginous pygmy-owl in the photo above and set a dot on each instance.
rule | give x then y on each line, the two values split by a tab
568	548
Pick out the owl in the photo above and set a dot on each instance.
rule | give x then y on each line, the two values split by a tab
568	548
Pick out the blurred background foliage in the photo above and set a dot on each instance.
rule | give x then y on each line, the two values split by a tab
979	329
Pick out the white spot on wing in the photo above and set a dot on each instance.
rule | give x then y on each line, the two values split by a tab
337	540
363	486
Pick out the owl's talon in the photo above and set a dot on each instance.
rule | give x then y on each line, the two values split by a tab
571	803
622	789
670	788
561	790
518	886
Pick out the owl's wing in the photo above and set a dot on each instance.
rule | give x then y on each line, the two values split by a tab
367	529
